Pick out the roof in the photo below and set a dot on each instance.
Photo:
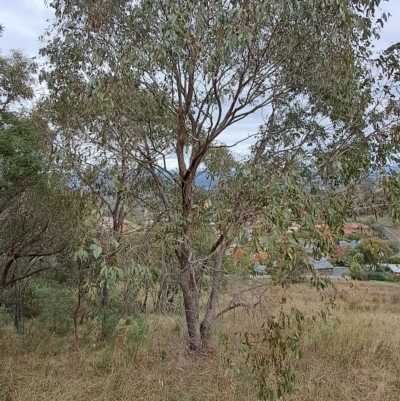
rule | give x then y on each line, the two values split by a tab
393	268
323	264
347	244
258	268
354	227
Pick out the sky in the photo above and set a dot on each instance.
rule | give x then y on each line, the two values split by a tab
25	20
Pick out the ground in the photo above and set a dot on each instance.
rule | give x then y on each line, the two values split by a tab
354	356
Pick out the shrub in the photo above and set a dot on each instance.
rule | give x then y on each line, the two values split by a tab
109	321
359	275
55	305
377	276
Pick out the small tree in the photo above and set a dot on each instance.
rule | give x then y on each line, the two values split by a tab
375	251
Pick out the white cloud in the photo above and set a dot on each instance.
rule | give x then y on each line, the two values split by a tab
24	21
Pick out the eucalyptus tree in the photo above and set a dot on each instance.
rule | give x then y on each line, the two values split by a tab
39	214
17	76
106	130
111	136
212	64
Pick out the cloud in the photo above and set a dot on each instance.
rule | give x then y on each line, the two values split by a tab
24	21
390	33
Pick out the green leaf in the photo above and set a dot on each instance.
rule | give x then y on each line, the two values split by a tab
96	250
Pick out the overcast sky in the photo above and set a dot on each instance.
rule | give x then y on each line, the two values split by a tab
25	20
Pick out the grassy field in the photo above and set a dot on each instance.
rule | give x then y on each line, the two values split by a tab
354	356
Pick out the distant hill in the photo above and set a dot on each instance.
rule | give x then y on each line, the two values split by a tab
202	180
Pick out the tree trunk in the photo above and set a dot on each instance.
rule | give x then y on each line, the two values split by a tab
212	302
188	273
143	306
191	302
76	311
105	297
17	305
118	215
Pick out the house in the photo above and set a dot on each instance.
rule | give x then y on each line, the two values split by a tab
347	244
259	269
394	269
322	266
356	228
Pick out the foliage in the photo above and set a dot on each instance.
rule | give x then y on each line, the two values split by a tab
56	306
41	223
289	262
20	153
270	352
374	251
139	330
356	271
39	214
339	256
377	276
17	76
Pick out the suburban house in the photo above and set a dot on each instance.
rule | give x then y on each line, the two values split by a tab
394	269
356	228
322	266
259	269
348	244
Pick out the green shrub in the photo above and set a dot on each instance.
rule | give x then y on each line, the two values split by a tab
139	330
5	317
359	275
377	276
109	321
394	278
55	305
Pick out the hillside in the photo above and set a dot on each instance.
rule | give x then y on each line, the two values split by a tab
354	356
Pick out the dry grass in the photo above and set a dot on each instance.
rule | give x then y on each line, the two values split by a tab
355	356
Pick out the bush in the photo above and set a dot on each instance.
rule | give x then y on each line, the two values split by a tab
139	331
394	278
5	317
355	236
359	275
393	246
378	229
109	321
55	305
377	276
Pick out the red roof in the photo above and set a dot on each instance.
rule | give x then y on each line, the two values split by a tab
352	228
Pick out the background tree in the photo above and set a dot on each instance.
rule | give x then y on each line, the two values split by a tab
374	250
40	215
17	77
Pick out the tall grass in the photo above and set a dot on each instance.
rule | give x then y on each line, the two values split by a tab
355	355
